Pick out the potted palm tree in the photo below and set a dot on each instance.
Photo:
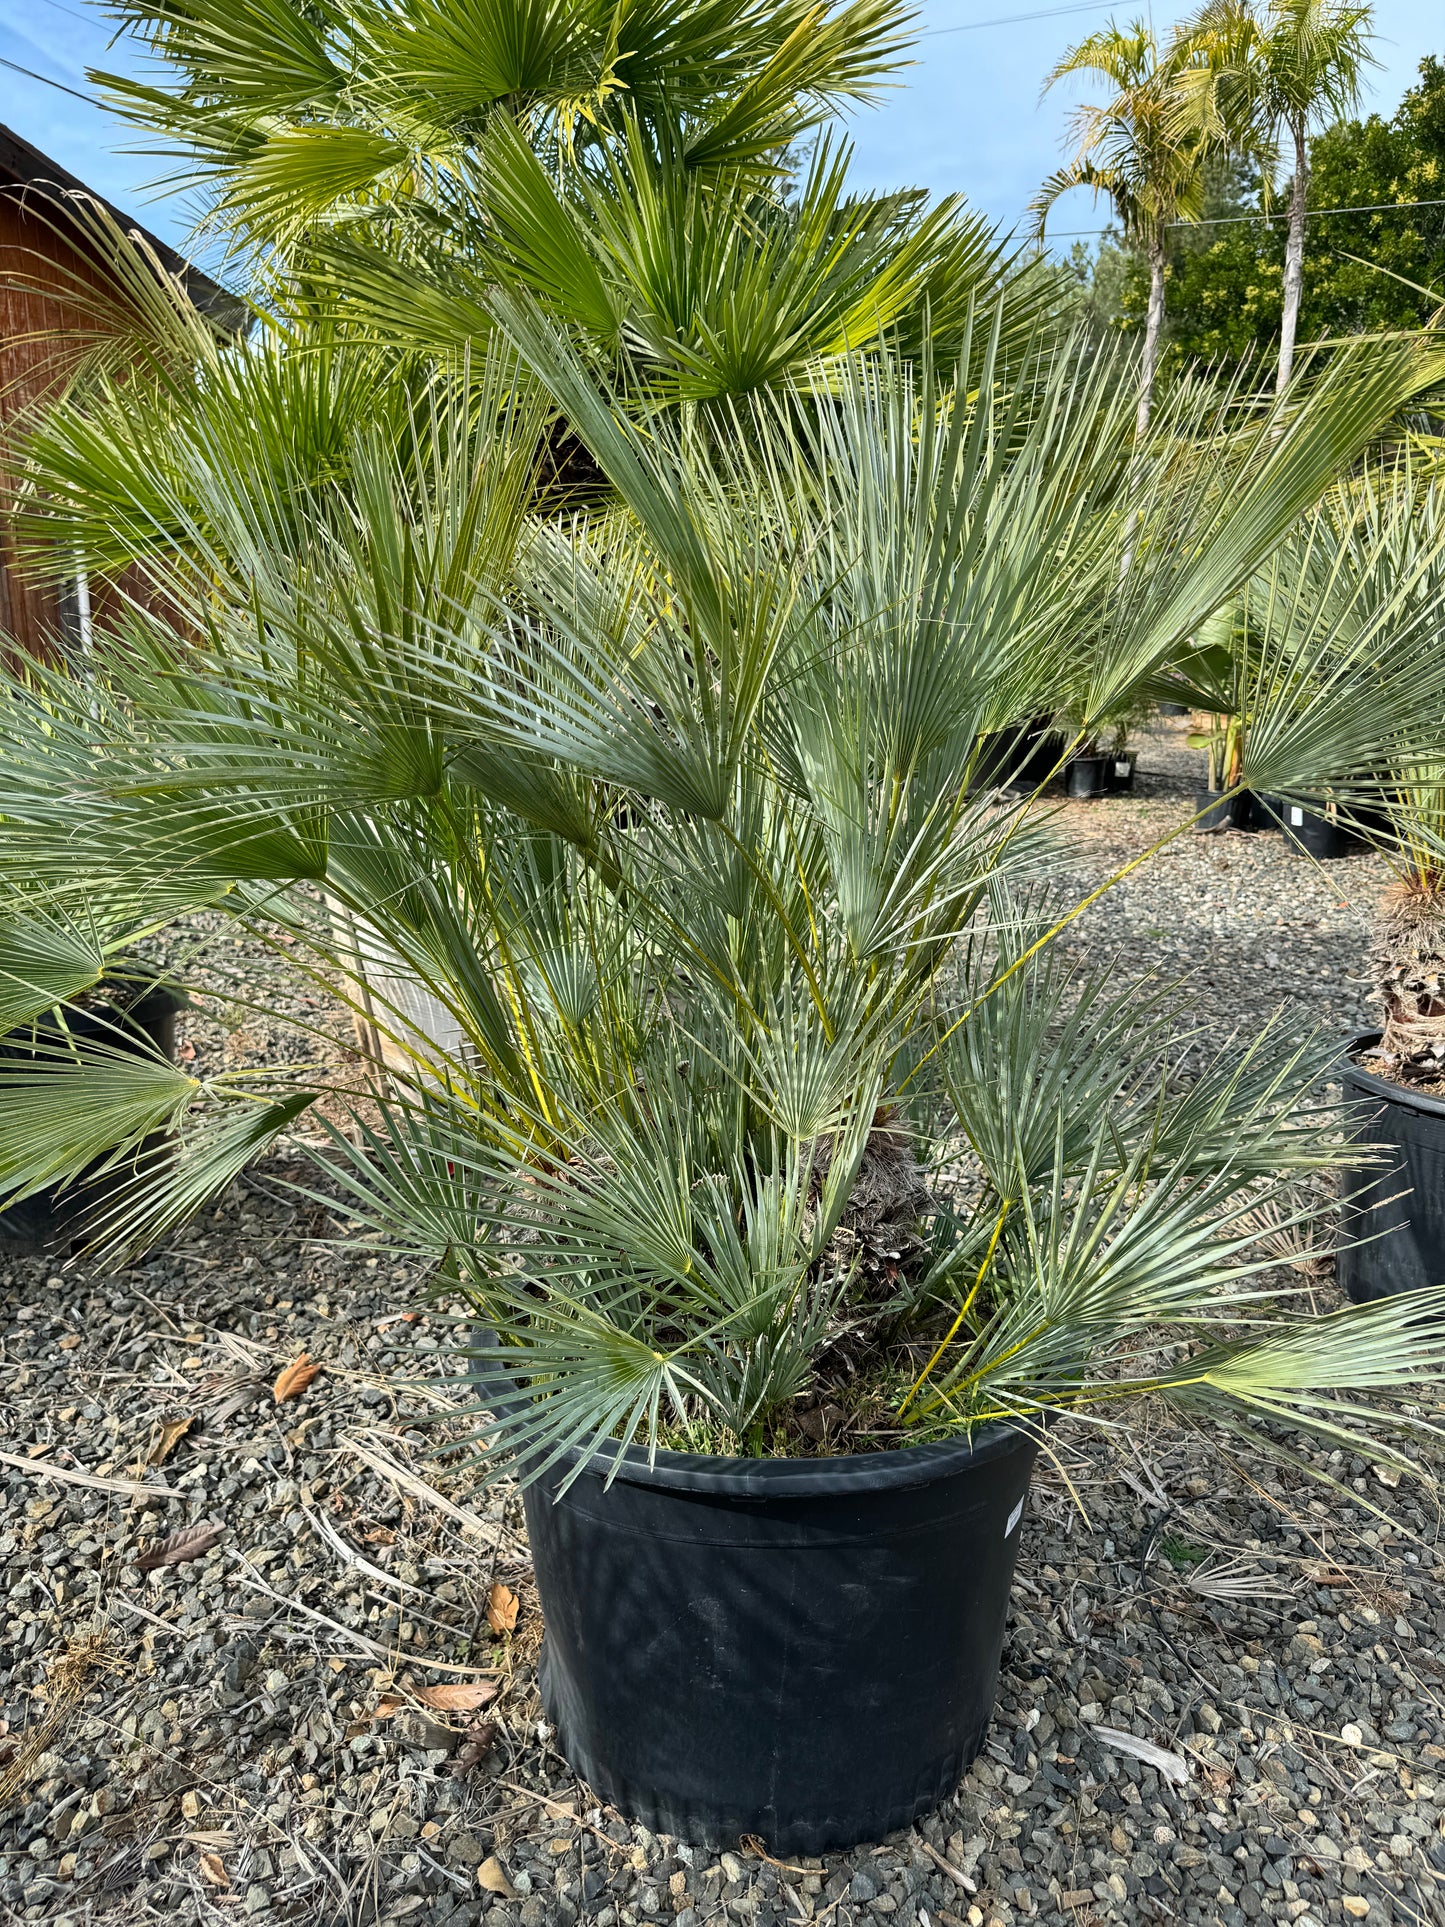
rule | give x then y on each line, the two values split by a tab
795	1192
1355	594
1395	1221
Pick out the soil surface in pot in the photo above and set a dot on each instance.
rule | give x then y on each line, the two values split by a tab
254	1713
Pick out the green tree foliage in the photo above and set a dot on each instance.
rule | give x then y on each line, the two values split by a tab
1224	283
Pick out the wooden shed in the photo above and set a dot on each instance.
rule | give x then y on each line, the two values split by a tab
55	286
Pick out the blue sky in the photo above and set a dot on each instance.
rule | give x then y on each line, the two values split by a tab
967	117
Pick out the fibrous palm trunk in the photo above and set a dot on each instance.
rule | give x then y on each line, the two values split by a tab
1294	260
1410	980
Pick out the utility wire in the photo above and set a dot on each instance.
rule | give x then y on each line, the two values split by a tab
1013	19
60	86
1230	220
89	19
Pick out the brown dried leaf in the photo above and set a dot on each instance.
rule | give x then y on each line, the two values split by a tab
191	1542
388	1704
1319	1574
213	1867
501	1608
481	1738
463	1698
170	1437
492	1877
296	1377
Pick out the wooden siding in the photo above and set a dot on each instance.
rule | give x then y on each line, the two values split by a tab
50	290
42	328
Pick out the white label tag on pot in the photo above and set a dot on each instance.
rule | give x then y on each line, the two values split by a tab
1296	817
1122	769
1013	1518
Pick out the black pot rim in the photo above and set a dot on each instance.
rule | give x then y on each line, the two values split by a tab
1377	1086
722	1476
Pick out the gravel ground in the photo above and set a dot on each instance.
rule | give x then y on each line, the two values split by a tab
219	1739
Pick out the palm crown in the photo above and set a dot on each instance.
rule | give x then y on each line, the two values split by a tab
745	1057
1251	75
1131	148
632	167
1135	150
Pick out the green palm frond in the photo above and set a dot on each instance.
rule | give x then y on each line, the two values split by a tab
646	841
292	118
67	1106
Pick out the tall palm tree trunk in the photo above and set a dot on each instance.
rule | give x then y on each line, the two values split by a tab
1294	259
1153	329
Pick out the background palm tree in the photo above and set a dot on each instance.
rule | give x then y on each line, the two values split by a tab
656	180
1135	149
296	117
1255	76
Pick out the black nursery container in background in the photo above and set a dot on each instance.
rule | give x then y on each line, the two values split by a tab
1088	776
1318	833
1260	812
1215	812
52	1218
1121	774
1393	1230
1021	757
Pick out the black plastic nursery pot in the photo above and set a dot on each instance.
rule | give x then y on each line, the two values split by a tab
802	1649
53	1217
1216	812
1259	812
1173	709
1121	775
1314	833
1020	757
1394	1214
1045	750
1087	776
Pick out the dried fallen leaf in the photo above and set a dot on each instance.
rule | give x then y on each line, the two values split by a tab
213	1867
492	1877
481	1738
171	1435
501	1608
463	1698
1173	1766
191	1542
388	1704
379	1536
1387	1475
296	1377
